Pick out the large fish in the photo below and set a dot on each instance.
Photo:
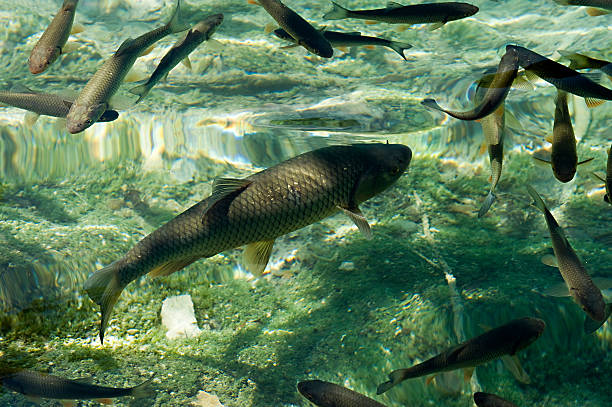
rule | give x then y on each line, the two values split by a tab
395	13
302	32
491	400
580	285
50	45
94	98
38	385
507	339
496	92
199	33
562	77
256	210
46	104
326	394
351	39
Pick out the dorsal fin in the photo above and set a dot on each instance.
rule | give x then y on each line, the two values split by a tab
124	46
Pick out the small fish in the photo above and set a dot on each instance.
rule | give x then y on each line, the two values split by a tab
36	385
395	13
582	289
563	157
507	339
493	128
94	98
326	394
45	104
304	34
352	39
496	91
562	77
199	33
579	61
49	46
254	211
491	400
595	7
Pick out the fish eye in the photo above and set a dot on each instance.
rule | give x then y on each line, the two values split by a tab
395	170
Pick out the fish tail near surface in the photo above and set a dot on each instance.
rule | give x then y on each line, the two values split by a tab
400	47
104	288
486	205
337	12
141	91
175	25
537	200
395	377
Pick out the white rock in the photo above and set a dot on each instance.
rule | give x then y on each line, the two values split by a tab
347	266
178	317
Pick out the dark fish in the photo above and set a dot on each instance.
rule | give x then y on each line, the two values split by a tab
326	394
46	104
507	339
304	34
491	400
582	289
199	33
608	197
41	385
562	77
563	158
339	39
579	61
94	98
49	46
496	91
256	210
395	13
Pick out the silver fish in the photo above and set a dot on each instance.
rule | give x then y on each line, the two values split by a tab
199	33
94	98
49	46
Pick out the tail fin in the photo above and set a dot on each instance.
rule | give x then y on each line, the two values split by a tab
104	289
400	47
175	25
590	325
337	12
486	205
143	390
395	377
141	91
537	200
432	104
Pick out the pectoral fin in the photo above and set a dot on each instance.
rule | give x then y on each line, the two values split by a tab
594	11
125	45
171	266
360	220
187	63
256	256
430	379
586	161
590	325
30	118
435	26
70	46
598	176
591	102
77	28
68	403
513	364
467	373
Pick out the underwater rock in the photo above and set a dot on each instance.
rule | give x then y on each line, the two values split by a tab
178	317
204	399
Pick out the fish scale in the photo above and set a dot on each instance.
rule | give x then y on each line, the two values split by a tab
256	210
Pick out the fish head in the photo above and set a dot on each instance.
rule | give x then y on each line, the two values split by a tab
311	389
385	164
591	301
564	166
41	58
530	329
81	116
468	10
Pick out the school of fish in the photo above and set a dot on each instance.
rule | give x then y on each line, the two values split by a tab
255	210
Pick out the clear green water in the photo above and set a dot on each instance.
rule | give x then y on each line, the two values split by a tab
70	204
